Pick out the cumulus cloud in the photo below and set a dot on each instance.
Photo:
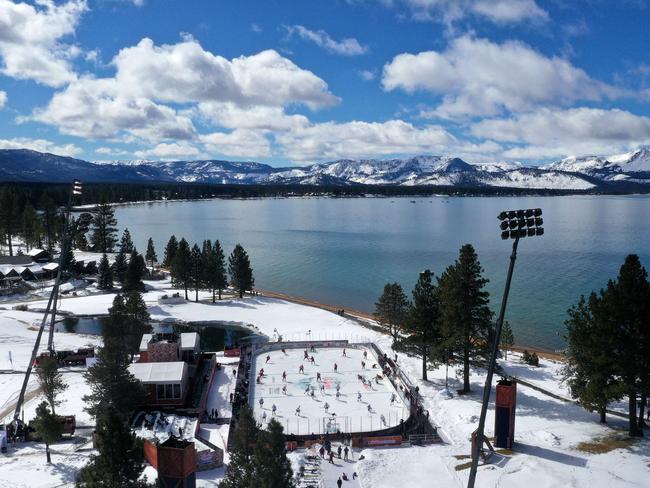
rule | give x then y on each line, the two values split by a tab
246	92
3	98
244	143
345	47
560	132
173	150
477	77
367	75
31	40
40	145
331	140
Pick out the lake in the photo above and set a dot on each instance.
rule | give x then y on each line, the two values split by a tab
343	250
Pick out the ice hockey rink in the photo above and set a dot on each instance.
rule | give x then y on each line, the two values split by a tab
347	413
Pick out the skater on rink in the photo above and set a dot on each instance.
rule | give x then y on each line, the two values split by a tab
301	369
339	451
268	358
261	402
298	410
264	417
262	372
318	378
312	360
363	365
284	351
365	354
345	453
369	408
322	388
392	399
311	348
383	419
284	376
284	389
344	353
336	368
327	406
273	409
338	394
358	396
306	354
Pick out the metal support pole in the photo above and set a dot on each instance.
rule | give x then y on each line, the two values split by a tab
488	381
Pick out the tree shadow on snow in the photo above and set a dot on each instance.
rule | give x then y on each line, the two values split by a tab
551	455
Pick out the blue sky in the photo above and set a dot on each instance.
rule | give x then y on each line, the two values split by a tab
293	82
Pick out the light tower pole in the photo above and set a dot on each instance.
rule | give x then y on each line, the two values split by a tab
515	224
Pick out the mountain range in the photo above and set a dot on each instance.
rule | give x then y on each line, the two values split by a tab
630	171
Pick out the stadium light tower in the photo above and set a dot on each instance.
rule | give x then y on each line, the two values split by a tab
515	225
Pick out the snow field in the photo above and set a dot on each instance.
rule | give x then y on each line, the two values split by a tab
347	413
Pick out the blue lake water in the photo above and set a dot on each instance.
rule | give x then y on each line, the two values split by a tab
342	251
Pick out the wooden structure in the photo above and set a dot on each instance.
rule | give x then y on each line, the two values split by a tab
504	416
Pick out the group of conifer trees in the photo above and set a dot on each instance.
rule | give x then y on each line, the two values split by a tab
608	345
448	319
204	267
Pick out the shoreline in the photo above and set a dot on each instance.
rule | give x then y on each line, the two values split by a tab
553	355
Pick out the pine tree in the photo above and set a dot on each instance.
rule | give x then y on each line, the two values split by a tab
68	262
590	367
126	243
466	316
182	266
219	279
119	461
30	226
52	222
629	300
8	216
82	228
104	232
120	266
151	254
134	272
47	427
241	273
137	320
170	252
507	338
105	279
240	470
271	466
196	270
391	309
422	326
50	381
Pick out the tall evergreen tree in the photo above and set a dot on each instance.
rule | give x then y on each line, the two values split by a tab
590	367
47	427
137	320
170	252
507	338
466	316
119	461
630	301
214	268
50	381
271	467
105	279
182	266
68	262
151	257
134	272
240	471
120	266
82	227
52	222
196	270
126	243
392	309
104	232
30	226
241	273
421	330
9	213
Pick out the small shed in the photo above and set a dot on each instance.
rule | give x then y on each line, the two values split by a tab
40	255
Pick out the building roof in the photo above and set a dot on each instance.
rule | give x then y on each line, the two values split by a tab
159	373
51	266
16	260
37	252
145	341
189	341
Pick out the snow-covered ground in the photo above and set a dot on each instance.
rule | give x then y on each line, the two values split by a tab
549	432
359	408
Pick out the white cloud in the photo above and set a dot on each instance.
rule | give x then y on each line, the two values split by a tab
332	140
345	47
558	133
479	77
496	11
96	109
30	40
241	143
367	75
185	72
172	150
232	116
256	28
3	98
40	145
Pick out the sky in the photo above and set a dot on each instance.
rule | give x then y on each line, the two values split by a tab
299	81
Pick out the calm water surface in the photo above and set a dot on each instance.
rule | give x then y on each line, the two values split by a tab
342	251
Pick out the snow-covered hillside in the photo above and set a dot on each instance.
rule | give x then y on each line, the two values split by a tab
619	167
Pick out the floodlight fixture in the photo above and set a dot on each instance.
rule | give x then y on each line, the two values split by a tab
514	224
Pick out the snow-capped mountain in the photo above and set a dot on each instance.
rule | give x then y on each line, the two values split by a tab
633	166
591	173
